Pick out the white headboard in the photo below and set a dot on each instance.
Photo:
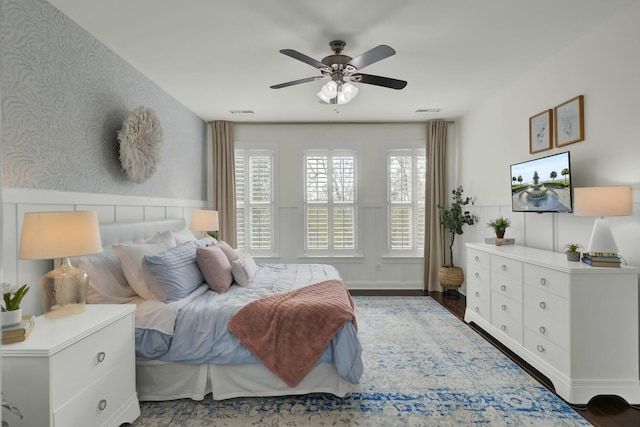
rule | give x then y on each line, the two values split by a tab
135	231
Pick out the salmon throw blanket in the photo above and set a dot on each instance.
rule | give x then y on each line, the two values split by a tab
289	332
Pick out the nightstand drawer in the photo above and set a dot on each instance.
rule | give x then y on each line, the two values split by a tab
97	403
81	364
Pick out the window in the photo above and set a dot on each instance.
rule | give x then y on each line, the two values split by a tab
407	171
330	201
254	197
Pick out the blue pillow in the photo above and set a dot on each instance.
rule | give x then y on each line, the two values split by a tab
173	274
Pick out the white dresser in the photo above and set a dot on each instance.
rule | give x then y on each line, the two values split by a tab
576	324
74	371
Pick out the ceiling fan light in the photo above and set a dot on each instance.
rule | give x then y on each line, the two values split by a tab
323	97
347	93
330	89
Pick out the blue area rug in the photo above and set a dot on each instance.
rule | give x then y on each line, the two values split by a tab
423	367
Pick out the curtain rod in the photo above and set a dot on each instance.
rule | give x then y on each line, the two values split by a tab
449	122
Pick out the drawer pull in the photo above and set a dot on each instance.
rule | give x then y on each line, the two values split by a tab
503	327
540	348
543	305
101	356
477	258
543	330
477	275
504	267
477	293
477	309
504	307
103	404
543	281
503	287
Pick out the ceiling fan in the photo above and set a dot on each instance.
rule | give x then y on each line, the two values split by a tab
343	70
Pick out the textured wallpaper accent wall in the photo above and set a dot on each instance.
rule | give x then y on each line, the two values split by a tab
64	96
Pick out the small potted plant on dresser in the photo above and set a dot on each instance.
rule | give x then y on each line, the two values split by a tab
11	310
572	251
453	218
499	226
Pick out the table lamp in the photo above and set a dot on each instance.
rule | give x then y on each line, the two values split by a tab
50	235
602	201
204	220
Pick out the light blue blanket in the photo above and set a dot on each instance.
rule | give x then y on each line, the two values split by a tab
194	330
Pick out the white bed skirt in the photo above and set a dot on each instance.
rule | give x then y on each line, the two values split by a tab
157	381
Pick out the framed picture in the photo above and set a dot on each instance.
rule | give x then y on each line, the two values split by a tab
569	126
540	131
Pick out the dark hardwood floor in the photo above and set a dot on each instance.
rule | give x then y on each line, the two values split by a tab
602	411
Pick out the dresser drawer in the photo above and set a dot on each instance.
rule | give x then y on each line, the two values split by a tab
547	279
98	402
547	351
547	315
506	277
478	260
82	363
506	315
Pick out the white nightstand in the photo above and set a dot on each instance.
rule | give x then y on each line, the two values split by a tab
75	371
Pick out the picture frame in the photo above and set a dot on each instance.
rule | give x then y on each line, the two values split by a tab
569	121
540	131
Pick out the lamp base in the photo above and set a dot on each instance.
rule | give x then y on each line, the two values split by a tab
63	291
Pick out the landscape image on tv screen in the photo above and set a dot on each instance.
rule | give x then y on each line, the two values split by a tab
542	185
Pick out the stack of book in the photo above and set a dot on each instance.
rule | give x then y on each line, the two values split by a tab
601	259
18	332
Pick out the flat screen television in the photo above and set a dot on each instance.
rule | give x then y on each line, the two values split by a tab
542	185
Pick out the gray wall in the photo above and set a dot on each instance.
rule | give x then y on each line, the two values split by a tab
64	97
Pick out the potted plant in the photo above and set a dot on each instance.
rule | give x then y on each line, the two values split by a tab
453	218
11	310
499	226
572	251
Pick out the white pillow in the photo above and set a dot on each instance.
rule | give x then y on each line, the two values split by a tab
132	254
243	269
107	284
184	235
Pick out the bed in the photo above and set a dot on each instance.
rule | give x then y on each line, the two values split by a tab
174	363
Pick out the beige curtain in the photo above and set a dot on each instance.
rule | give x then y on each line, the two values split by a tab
434	235
224	179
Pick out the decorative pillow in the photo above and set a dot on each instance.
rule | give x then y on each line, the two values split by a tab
184	235
228	250
107	284
132	254
243	269
173	274
215	268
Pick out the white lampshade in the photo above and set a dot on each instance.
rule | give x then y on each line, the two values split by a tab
204	220
49	235
602	201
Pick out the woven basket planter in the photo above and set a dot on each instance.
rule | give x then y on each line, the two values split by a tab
451	276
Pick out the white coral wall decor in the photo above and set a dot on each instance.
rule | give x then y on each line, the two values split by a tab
140	141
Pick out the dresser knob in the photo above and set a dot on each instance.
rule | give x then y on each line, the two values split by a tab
543	330
503	287
477	294
504	307
503	327
101	356
103	404
543	305
477	309
504	267
477	275
543	281
477	258
540	348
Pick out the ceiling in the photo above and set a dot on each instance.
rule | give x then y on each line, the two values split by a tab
220	55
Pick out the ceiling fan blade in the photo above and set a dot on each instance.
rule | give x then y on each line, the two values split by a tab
378	81
376	54
304	58
297	82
